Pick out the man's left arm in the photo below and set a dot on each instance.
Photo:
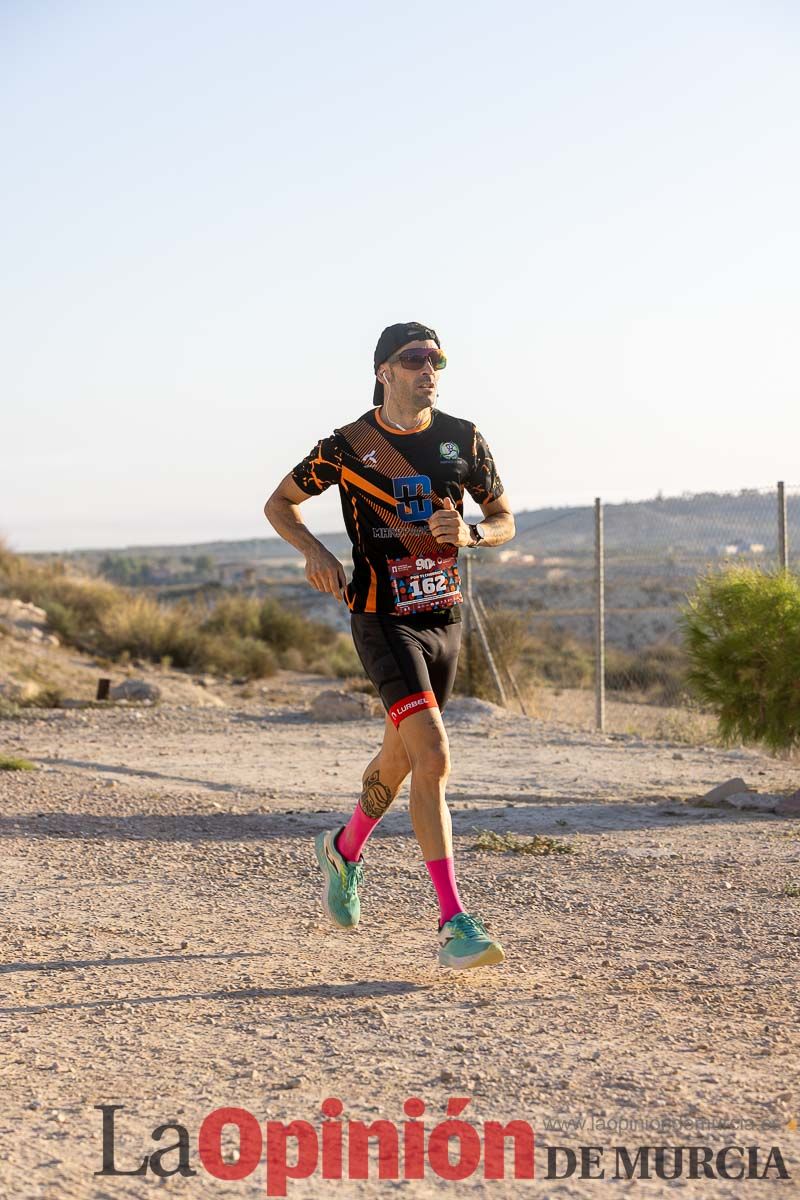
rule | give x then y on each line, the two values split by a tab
497	525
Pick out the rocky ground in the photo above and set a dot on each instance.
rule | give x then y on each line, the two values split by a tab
163	947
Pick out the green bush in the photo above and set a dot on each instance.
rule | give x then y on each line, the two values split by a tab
742	635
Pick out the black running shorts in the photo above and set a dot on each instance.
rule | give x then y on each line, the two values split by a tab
411	660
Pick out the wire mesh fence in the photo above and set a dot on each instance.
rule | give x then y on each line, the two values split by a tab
792	493
580	633
539	598
654	554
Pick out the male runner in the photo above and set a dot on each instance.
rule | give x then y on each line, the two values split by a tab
401	469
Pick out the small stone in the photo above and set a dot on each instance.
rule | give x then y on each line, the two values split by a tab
789	806
184	945
447	1076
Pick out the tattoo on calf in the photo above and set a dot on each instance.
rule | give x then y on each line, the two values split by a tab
375	796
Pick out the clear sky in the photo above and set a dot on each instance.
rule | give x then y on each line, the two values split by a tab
210	211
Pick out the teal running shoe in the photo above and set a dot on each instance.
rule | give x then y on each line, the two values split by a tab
342	879
465	943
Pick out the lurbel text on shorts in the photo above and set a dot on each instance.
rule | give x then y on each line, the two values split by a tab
411	704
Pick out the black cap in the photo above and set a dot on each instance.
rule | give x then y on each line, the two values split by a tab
393	338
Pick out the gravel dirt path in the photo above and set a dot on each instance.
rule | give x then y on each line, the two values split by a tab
163	946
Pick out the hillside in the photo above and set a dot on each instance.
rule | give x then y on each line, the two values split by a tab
697	522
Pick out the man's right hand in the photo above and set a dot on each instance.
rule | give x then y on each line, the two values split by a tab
325	572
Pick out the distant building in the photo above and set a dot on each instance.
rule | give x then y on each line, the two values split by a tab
732	549
516	556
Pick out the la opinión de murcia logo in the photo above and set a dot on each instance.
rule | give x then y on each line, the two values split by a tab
453	1149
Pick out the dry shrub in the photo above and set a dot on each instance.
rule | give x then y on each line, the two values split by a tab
147	629
340	659
547	656
240	636
656	672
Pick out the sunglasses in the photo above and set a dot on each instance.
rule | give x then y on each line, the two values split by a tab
415	360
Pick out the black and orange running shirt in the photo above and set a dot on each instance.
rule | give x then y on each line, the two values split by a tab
390	482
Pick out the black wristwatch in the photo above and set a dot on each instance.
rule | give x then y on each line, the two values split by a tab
475	535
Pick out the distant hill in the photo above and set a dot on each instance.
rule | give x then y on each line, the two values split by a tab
701	523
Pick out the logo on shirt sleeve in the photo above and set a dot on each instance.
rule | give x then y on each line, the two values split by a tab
448	451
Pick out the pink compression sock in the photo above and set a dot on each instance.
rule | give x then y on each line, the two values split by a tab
442	872
352	839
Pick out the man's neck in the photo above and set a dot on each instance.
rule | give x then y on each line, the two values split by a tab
404	416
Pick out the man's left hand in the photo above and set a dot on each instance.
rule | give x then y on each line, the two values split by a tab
448	527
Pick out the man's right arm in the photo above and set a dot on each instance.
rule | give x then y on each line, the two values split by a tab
282	510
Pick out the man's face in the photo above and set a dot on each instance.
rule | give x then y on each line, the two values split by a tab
417	388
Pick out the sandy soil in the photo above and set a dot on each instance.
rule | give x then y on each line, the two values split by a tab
163	946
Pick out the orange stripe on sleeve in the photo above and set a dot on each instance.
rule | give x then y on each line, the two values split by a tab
366	486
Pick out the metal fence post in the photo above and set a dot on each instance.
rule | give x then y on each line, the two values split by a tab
477	624
783	541
468	621
600	620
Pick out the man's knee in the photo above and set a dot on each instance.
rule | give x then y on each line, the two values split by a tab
431	760
394	758
393	763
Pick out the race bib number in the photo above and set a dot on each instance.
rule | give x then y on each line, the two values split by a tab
422	584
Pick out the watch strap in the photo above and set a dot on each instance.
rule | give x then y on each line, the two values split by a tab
476	535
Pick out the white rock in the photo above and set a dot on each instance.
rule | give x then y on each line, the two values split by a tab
19	691
469	710
334	705
753	800
720	794
135	689
22	620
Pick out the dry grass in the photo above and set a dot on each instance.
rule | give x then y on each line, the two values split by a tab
503	843
576	707
240	636
7	763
